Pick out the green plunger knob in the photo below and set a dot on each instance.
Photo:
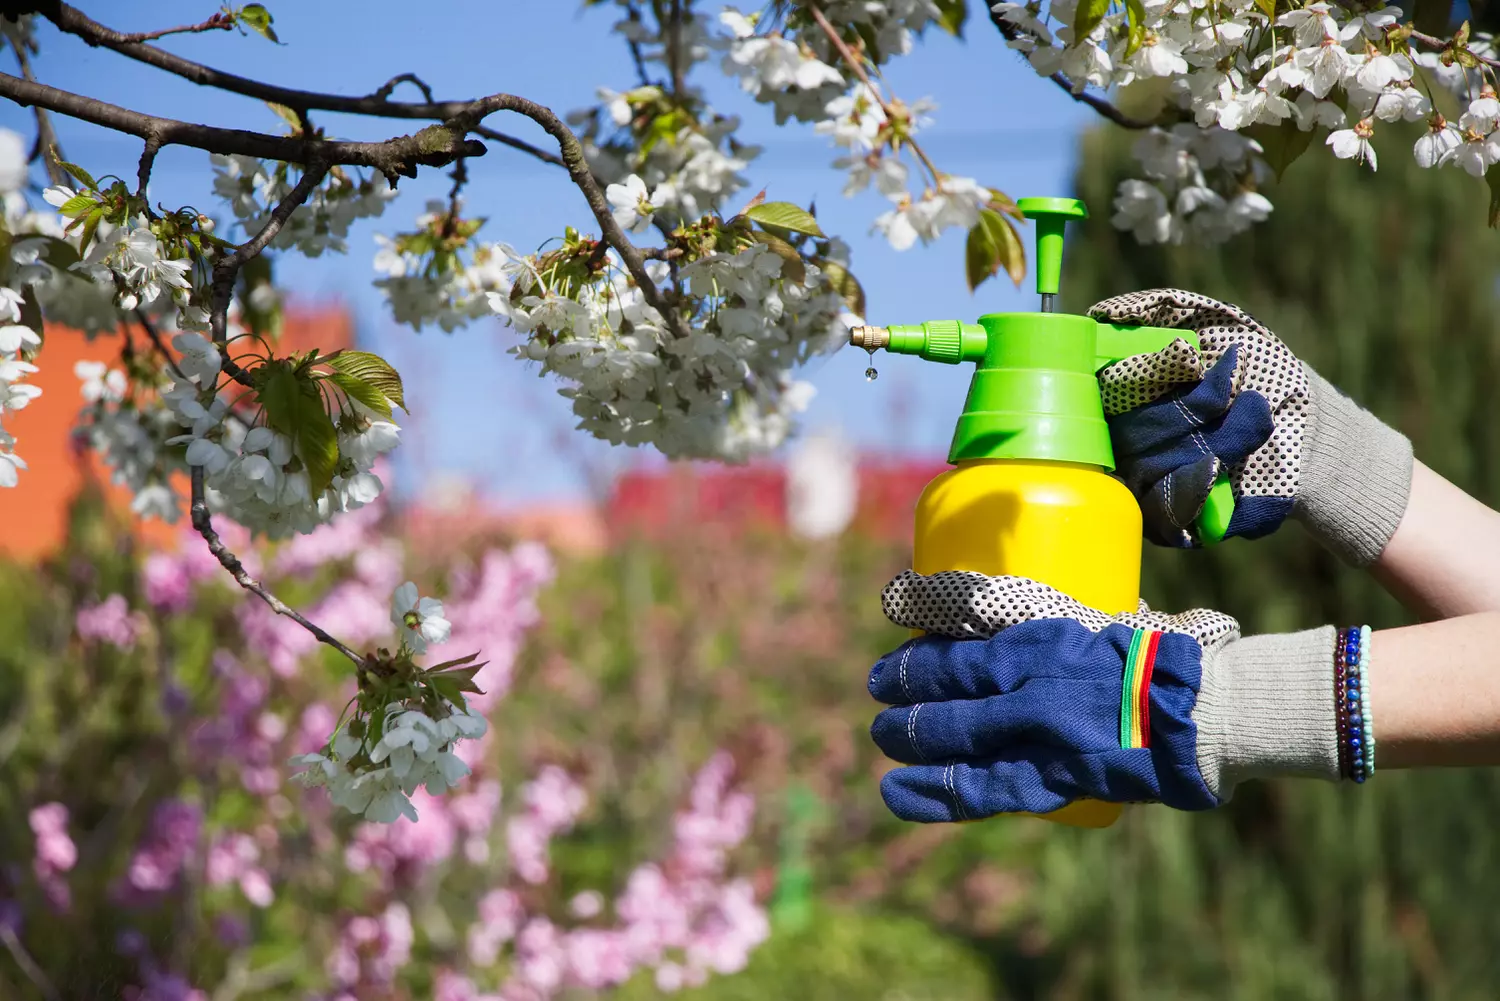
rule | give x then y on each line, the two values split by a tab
1051	215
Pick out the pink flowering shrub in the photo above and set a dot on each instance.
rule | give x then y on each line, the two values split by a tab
170	859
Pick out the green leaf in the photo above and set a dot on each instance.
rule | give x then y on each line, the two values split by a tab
286	115
294	406
1268	8
447	688
316	437
373	369
461	677
1135	13
358	389
255	17
992	245
90	224
785	215
1493	180
1281	144
1087	17
76	205
792	266
845	284
951	16
80	175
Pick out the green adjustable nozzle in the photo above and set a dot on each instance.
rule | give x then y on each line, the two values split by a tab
1035	392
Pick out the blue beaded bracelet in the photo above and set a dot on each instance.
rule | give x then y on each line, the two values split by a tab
1354	711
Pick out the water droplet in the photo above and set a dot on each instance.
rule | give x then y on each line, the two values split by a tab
871	375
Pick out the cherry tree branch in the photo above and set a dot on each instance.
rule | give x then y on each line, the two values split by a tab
377	104
1099	104
434	146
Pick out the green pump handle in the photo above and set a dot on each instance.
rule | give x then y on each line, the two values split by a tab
1051	215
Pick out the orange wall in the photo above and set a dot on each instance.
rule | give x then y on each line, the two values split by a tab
33	516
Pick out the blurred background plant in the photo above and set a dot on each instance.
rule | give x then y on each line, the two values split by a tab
677	793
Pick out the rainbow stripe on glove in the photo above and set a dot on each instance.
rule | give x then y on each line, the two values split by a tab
1135	694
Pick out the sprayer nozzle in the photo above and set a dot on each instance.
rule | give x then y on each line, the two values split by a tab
869	338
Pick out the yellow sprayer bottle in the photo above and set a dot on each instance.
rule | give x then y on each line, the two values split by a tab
1031	493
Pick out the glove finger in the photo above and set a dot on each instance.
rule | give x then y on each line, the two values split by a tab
938	669
1179	414
1171	503
1177	465
933	668
965	605
1176	308
1022	780
1140	379
1063	713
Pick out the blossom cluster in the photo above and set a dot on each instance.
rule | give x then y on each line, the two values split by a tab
252	188
1230	67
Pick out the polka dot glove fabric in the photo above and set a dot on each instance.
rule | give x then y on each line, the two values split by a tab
1179	416
1014	701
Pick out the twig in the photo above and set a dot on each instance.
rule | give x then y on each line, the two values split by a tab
434	146
486	132
383	93
203	523
225	273
1438	44
27	964
219	22
156	341
674	51
578	169
75	22
1099	104
635	50
227	269
143	172
46	138
857	66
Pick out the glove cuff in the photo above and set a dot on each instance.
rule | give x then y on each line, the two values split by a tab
1355	475
1266	709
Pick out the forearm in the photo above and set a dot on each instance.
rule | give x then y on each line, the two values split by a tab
1362	494
1435	693
1444	559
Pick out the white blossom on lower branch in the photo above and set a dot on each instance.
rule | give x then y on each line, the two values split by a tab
406	724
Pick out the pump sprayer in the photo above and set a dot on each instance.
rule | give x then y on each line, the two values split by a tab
1030	493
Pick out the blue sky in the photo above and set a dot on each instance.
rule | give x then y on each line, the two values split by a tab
481	415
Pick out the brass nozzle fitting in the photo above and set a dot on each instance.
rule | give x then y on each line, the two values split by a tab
869	338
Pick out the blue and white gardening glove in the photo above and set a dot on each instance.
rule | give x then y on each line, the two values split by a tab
1292	445
1022	700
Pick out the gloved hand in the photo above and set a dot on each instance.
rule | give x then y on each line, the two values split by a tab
1291	443
1025	700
